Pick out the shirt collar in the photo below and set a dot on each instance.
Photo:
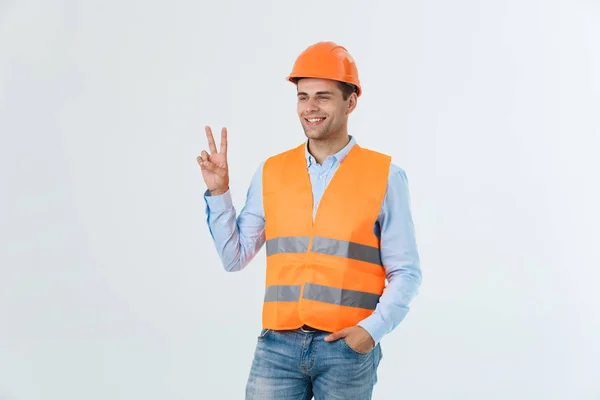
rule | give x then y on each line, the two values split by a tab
339	156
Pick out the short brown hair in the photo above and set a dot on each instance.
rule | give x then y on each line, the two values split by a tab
347	89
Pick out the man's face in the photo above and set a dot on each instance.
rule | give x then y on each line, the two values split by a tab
321	107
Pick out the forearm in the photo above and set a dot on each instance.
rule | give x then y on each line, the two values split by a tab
237	239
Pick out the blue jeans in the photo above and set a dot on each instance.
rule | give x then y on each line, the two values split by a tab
297	365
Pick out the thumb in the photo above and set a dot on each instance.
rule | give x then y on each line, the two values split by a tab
336	335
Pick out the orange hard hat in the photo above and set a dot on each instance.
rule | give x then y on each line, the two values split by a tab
326	60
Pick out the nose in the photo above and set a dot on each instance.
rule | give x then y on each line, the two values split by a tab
310	106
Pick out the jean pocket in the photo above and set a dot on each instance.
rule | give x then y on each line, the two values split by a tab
343	340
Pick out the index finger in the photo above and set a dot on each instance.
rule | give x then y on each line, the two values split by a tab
211	141
223	141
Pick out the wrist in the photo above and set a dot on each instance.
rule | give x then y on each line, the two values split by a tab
218	192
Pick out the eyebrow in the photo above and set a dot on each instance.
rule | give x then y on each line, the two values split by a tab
322	92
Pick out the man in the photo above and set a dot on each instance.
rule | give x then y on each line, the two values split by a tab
336	221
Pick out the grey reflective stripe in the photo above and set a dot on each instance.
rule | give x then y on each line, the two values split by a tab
342	248
282	293
287	244
322	245
342	297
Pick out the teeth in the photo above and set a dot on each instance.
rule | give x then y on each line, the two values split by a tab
315	119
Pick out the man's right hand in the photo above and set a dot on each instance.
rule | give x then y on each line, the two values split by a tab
214	165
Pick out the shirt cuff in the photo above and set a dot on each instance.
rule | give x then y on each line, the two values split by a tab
219	203
375	326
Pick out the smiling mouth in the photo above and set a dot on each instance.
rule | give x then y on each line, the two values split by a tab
314	121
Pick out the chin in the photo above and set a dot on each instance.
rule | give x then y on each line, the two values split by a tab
314	135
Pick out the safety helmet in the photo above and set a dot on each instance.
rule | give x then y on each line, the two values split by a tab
326	60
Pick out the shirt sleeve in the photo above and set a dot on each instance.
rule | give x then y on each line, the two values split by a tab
399	256
237	238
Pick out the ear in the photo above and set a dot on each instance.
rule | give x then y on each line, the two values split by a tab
352	102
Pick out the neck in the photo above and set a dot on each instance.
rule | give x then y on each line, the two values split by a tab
322	148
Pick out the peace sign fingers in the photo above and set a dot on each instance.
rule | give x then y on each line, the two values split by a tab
211	141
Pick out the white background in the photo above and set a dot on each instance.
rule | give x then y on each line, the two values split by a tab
110	286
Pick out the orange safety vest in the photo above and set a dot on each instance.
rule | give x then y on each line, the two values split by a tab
328	273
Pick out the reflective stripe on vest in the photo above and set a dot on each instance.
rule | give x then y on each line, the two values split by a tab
324	294
282	293
334	247
289	244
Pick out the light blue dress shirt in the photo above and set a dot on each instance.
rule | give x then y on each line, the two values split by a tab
239	239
